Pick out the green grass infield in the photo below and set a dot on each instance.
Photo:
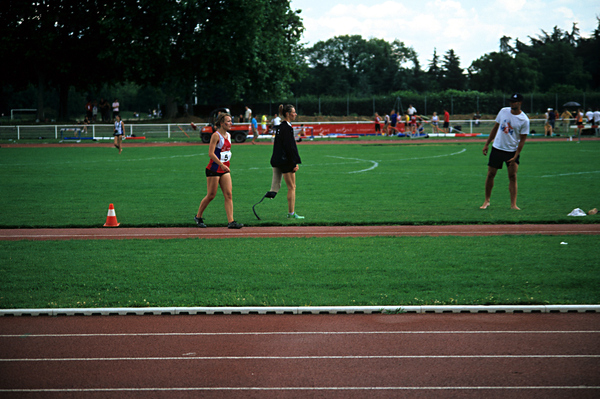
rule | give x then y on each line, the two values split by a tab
337	184
367	271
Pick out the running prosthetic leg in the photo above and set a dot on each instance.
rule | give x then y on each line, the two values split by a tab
269	194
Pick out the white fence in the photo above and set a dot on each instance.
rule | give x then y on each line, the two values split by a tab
186	131
97	131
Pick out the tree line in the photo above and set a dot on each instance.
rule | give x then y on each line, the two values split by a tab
220	52
555	61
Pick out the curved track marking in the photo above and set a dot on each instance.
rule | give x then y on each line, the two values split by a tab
375	163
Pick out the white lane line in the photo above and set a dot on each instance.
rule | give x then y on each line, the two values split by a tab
572	174
448	388
354	357
80	335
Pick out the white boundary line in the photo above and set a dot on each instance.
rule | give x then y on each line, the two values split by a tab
300	310
449	388
365	357
204	334
572	174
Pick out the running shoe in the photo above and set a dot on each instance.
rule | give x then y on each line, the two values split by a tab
199	222
295	216
235	225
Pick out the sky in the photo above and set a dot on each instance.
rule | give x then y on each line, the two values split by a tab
472	28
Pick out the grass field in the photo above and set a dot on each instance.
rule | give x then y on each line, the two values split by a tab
370	271
337	185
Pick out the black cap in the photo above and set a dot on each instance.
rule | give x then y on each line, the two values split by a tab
516	98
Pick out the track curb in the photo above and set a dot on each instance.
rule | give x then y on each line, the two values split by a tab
302	310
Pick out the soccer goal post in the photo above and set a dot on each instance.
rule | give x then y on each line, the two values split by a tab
24	111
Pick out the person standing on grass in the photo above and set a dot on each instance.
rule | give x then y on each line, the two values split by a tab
386	124
218	173
566	118
435	120
119	132
115	108
446	127
377	124
285	158
509	134
411	110
263	124
393	121
579	121
254	128
275	123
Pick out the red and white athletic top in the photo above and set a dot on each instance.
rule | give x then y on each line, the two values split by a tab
223	152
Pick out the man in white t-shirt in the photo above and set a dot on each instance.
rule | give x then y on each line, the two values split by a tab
590	116
597	120
509	134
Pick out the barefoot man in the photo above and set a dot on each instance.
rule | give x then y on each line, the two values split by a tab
509	134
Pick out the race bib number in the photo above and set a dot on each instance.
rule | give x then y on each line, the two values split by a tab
225	156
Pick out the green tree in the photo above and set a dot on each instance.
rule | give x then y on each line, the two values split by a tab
434	72
220	50
503	72
557	58
351	64
452	76
588	49
52	44
234	48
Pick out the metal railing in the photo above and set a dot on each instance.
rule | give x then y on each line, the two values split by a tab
187	131
97	131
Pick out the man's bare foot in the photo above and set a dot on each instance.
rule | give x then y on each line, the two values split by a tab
485	205
516	208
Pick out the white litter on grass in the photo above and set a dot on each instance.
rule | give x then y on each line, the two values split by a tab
564	243
577	212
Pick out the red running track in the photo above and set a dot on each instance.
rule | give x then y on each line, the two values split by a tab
294	231
292	356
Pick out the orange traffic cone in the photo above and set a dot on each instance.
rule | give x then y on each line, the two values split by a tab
111	219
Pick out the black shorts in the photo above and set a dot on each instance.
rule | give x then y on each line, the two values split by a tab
210	173
446	125
499	157
287	168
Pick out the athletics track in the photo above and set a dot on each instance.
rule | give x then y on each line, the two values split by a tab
292	356
507	353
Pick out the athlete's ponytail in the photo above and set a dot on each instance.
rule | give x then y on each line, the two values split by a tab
284	110
221	118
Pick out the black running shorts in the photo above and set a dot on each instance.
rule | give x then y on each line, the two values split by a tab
210	173
499	157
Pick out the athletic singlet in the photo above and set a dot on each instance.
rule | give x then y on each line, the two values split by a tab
223	152
118	128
